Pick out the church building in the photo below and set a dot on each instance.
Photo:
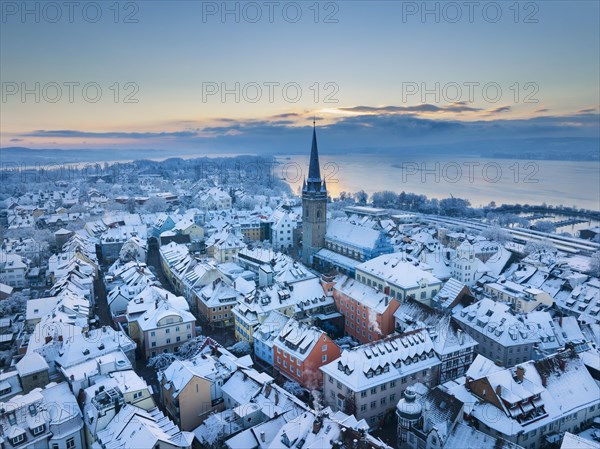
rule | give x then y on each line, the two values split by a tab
314	207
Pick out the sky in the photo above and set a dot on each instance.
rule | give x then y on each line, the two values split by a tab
236	76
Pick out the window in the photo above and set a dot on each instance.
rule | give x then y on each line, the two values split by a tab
374	390
167	331
37	430
168	341
324	348
153	344
18	439
392	384
363	407
153	334
71	443
363	394
324	358
373	404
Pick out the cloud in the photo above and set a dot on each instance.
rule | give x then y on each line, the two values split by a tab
586	111
425	107
542	110
16	140
367	129
499	110
286	115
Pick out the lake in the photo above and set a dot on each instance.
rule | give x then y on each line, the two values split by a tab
510	181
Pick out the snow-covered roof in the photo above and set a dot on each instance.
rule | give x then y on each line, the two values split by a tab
382	361
363	294
496	320
180	372
397	270
154	317
550	389
31	363
297	339
352	235
136	428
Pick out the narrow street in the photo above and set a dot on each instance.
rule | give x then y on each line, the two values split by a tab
101	307
153	261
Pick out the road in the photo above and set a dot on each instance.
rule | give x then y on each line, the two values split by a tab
102	309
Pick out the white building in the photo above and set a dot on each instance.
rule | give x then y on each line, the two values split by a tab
282	229
399	276
47	418
13	269
160	323
533	403
367	381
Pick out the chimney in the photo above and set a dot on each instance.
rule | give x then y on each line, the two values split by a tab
262	436
544	380
520	373
276	397
317	425
562	364
499	390
60	338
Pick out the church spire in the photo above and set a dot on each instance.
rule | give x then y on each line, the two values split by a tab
314	172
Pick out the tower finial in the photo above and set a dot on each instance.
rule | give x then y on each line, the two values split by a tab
314	120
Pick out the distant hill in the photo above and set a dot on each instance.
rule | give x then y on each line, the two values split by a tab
538	148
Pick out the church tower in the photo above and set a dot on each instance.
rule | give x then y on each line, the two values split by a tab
314	207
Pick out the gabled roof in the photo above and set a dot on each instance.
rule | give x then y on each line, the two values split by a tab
133	427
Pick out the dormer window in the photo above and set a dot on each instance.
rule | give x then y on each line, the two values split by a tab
38	430
18	439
